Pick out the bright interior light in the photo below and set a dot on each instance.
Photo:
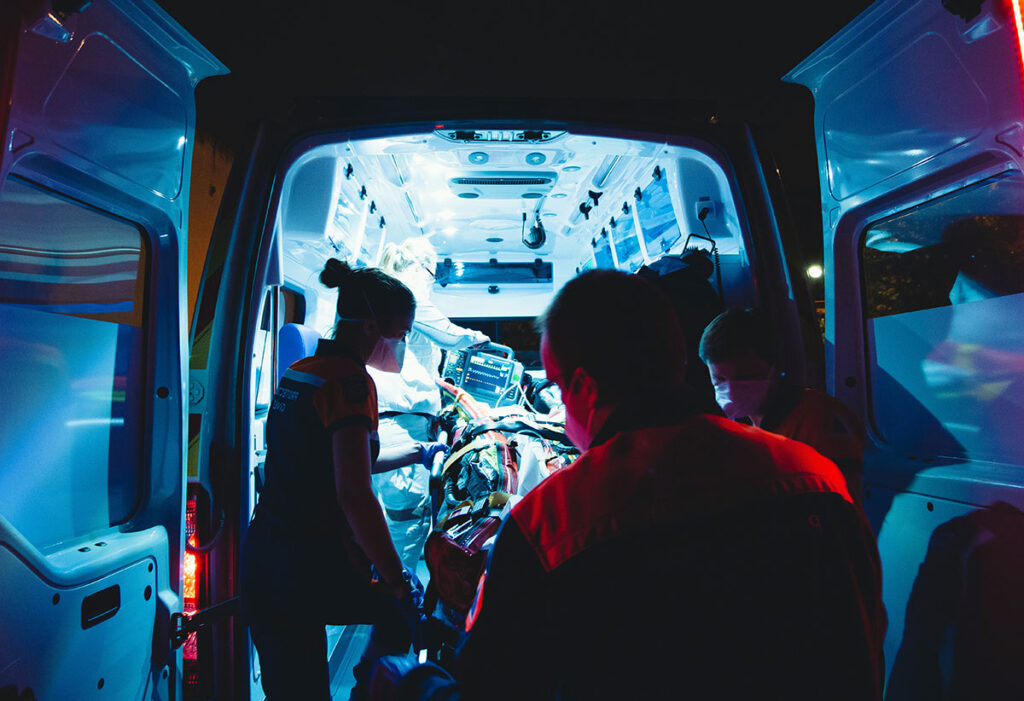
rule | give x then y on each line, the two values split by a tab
815	271
448	230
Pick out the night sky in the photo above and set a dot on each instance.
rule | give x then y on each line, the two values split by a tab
278	50
733	53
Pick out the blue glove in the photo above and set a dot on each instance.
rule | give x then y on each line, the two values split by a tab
429	450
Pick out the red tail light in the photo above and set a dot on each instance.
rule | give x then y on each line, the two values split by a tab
195	590
191	571
1018	26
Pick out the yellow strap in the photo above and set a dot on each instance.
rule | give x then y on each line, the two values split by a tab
475	444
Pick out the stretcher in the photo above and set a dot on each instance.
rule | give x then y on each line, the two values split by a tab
497	455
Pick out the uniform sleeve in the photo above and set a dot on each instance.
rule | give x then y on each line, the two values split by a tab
441	331
345	401
508	618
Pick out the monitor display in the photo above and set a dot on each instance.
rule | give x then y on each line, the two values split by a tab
487	376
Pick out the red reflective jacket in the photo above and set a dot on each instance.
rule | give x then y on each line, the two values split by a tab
697	557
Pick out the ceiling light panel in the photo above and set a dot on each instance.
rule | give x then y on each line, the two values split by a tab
502	184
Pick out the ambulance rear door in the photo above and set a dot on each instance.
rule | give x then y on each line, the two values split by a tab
919	107
97	117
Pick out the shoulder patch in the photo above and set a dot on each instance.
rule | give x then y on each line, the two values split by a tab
355	389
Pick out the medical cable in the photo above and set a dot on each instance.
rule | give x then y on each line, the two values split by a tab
702	215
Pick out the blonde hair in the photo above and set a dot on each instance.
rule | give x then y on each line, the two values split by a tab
398	257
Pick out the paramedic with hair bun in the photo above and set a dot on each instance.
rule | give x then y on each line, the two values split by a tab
682	555
738	347
409	401
318	528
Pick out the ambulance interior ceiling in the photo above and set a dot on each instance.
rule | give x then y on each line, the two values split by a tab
481	197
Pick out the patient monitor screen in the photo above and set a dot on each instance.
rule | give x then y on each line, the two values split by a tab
487	376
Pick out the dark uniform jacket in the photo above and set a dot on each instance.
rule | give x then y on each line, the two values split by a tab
682	556
300	556
824	423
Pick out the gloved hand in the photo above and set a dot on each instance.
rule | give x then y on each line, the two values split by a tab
401	677
429	450
410	605
387	674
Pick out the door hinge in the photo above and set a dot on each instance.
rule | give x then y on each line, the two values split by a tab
185	625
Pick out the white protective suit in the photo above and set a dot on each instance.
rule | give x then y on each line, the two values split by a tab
407	403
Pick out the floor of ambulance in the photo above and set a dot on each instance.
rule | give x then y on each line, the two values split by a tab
345	645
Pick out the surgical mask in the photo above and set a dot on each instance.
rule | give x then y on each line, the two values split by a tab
739	398
388	355
966	290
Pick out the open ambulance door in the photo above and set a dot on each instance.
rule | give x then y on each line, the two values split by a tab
97	116
919	125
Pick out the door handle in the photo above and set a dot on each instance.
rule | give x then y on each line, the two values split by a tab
100	606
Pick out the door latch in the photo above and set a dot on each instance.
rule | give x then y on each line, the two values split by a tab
184	625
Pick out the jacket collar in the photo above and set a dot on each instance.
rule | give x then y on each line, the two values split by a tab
650	412
328	346
783	399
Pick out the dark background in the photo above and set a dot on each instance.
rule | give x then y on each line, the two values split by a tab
731	53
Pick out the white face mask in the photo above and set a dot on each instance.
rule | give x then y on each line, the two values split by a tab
966	290
739	398
388	355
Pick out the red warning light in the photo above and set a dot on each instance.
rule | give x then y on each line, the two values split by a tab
439	126
1019	26
193	567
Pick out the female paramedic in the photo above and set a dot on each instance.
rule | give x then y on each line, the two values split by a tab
409	401
318	533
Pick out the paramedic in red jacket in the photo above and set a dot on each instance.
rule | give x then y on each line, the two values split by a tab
682	555
738	347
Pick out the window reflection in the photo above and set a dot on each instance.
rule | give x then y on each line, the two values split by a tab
944	294
72	335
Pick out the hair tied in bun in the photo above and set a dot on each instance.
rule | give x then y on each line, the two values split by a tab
334	273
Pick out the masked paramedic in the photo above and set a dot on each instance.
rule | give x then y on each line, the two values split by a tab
683	555
410	400
318	533
738	347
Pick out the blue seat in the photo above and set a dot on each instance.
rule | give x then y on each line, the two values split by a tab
294	342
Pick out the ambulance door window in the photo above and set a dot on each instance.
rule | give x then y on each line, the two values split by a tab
290	309
73	340
944	306
263	352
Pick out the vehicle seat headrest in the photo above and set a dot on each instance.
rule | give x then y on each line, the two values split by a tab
294	342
